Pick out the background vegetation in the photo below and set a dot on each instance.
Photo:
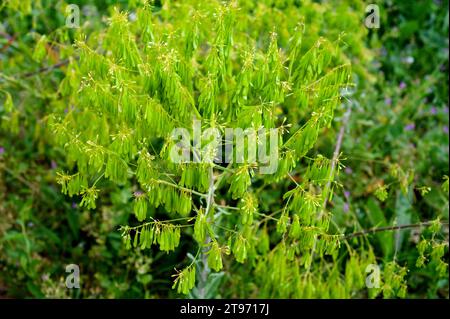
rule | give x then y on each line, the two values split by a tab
395	153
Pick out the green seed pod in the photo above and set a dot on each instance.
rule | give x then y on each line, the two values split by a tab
40	50
200	228
140	206
215	257
282	223
294	231
240	249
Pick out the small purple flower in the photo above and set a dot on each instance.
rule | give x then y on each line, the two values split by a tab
346	207
30	224
138	193
66	110
433	110
74	205
445	129
2	150
348	170
402	85
446	109
410	127
347	194
388	101
53	164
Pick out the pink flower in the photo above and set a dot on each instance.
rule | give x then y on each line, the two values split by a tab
347	194
346	207
433	110
138	194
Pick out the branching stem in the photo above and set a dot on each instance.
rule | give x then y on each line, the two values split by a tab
389	228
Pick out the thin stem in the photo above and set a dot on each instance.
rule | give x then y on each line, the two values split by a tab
227	207
98	179
389	228
210	195
209	204
181	188
292	178
196	256
169	221
337	151
45	69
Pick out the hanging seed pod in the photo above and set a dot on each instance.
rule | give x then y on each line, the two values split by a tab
89	196
215	257
241	180
184	204
143	238
200	227
294	231
40	51
248	206
116	169
282	223
240	249
263	241
185	280
140	206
